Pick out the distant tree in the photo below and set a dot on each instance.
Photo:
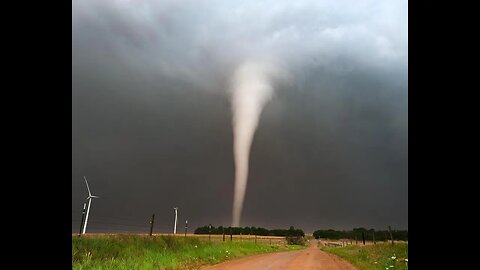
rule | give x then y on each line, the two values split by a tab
379	235
201	230
219	230
291	231
262	231
295	236
251	230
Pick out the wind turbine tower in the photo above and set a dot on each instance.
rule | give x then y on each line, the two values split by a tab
89	199
175	226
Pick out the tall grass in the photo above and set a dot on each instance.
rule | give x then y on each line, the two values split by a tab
372	257
158	252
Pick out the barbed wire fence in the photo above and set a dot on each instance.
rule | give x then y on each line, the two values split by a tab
127	225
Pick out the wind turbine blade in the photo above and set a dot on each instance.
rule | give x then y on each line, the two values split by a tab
89	194
94	196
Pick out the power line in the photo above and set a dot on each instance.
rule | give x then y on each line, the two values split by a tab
117	229
123	218
118	224
117	218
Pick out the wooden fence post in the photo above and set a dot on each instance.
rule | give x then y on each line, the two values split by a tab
151	224
390	231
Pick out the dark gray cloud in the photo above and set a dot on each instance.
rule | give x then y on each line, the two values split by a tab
152	122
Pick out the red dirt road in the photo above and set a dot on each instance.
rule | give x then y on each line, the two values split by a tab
311	258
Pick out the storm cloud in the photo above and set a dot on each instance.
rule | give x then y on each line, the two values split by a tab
152	120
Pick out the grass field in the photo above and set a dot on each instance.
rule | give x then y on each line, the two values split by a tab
379	256
159	252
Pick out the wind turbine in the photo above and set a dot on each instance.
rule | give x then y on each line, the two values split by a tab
89	198
175	226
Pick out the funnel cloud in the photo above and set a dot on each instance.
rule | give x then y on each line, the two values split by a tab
251	89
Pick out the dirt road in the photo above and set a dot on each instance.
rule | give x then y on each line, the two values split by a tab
310	258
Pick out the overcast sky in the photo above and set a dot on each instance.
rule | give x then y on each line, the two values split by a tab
151	114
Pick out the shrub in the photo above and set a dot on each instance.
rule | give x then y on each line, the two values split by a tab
296	240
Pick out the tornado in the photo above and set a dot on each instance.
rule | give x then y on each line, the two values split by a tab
251	88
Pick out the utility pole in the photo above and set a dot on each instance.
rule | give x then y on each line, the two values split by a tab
209	232
374	238
186	227
231	234
223	233
363	237
151	224
81	222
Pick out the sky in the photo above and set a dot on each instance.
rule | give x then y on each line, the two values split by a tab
152	113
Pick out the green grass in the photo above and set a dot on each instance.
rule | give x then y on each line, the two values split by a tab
158	252
374	257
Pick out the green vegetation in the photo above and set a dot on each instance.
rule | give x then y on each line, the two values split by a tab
296	240
357	232
371	257
158	252
249	231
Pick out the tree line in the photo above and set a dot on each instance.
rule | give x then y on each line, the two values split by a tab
249	231
356	233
